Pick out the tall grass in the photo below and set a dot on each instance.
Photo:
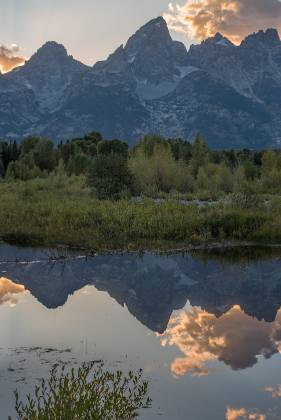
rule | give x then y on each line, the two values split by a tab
41	212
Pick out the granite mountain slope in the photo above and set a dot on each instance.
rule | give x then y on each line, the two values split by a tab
231	94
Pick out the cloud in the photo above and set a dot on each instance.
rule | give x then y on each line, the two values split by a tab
243	414
235	19
8	291
235	339
9	58
274	391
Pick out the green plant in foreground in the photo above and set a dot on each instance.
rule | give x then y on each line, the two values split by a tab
88	392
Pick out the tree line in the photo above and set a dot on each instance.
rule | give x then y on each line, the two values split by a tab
154	166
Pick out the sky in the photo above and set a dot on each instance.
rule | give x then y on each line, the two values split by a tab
92	29
89	29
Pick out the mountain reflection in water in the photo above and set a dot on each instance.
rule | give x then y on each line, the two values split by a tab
235	315
211	315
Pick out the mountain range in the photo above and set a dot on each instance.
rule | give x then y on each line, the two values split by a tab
152	85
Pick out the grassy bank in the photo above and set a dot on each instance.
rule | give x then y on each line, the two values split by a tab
47	213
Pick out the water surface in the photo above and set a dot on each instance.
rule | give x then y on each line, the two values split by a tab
206	329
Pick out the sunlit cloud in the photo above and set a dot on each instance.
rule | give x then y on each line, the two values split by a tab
274	391
9	291
235	19
10	58
243	414
235	339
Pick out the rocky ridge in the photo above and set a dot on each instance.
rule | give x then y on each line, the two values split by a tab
151	85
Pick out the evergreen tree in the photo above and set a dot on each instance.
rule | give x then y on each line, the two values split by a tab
2	169
113	147
110	177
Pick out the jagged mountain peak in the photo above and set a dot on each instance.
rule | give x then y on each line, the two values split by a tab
47	75
208	51
151	37
153	43
154	32
268	38
52	57
151	61
231	94
50	50
50	60
217	40
158	22
218	36
54	46
154	25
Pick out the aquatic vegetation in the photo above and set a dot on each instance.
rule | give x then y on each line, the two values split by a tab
88	392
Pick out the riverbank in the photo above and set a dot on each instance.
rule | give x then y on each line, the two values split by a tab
33	215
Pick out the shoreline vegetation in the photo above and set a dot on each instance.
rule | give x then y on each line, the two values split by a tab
33	213
99	195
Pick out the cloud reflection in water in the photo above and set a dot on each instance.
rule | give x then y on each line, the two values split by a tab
235	338
8	291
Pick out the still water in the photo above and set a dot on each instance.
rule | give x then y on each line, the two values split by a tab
205	329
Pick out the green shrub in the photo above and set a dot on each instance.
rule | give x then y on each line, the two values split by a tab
88	392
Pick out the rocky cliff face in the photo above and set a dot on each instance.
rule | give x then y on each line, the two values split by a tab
231	94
